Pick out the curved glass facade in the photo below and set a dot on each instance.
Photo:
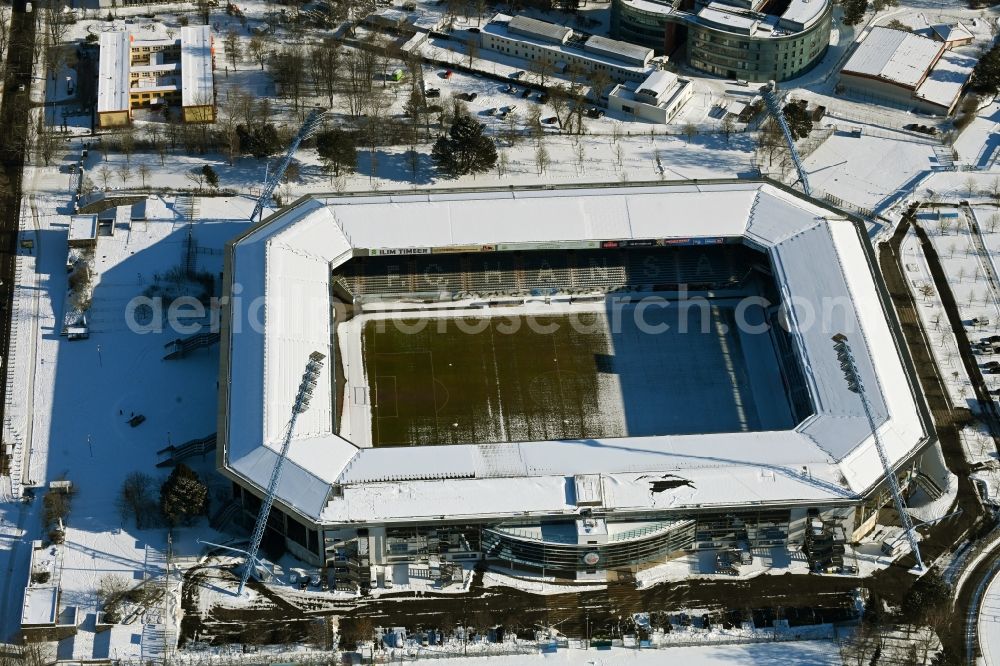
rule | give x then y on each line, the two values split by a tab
525	547
719	52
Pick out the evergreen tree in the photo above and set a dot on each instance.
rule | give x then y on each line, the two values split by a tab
465	149
259	140
854	11
211	177
986	75
337	150
183	496
799	121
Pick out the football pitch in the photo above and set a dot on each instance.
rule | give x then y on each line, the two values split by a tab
511	378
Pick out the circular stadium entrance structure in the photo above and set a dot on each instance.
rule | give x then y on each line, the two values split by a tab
562	379
752	40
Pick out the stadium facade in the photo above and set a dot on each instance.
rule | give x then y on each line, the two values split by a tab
572	506
754	40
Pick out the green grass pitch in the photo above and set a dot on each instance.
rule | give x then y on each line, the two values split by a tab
477	380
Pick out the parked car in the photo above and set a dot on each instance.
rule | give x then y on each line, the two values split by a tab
594	112
490	111
551	120
543	98
447	74
509	89
510	109
516	75
136	420
526	93
432	92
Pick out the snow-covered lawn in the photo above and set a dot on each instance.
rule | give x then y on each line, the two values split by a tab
865	170
803	653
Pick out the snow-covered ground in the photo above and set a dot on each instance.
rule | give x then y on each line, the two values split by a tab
71	399
803	653
85	391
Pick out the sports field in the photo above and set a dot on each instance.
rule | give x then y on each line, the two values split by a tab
451	381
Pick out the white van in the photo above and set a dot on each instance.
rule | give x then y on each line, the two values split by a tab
387	577
372	578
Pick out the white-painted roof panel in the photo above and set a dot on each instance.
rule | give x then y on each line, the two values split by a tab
196	66
894	55
945	82
113	72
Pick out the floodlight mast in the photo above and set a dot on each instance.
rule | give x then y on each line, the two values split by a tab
769	94
302	399
308	128
855	385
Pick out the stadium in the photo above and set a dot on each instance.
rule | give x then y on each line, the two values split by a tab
572	380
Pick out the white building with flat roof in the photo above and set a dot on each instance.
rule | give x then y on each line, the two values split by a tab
906	69
656	99
562	49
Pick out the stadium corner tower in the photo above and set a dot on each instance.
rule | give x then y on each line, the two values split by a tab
563	380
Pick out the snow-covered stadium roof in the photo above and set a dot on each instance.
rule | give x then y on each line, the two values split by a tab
823	267
896	56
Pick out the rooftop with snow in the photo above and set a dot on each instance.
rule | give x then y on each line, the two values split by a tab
824	267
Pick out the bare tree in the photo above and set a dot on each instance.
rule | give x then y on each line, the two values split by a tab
135	500
560	102
234	49
542	159
288	69
534	123
358	68
143	173
110	594
471	49
196	176
616	133
690	131
543	68
258	50
104	172
380	48
728	126
47	144
859	650
324	59
511	132
124	172
126	141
